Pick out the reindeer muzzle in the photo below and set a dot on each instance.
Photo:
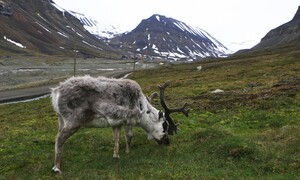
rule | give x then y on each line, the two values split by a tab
163	141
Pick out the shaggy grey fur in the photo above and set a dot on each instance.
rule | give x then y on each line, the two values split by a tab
91	97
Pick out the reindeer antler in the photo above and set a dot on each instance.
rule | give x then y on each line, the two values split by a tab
172	127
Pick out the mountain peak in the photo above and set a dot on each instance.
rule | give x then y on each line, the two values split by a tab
297	15
157	16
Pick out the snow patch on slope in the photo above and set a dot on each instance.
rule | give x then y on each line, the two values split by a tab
98	28
14	42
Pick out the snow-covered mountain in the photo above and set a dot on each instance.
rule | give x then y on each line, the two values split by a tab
43	27
160	36
236	46
98	28
157	36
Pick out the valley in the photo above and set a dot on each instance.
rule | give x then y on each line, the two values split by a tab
25	71
244	120
248	131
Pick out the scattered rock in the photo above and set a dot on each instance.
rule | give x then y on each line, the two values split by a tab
218	91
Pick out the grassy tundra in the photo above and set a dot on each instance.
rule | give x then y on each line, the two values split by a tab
251	130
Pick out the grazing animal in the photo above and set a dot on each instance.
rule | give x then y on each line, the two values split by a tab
104	102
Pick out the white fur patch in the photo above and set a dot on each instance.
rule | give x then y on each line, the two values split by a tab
55	96
158	131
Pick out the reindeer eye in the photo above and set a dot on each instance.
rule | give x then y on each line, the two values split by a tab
148	111
160	114
141	107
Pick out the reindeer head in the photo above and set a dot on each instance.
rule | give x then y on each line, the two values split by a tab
166	125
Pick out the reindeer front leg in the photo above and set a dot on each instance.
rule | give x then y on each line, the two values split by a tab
128	137
116	137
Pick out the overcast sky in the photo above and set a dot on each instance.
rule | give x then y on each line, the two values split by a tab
229	21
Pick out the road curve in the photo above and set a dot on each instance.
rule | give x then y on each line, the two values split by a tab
8	96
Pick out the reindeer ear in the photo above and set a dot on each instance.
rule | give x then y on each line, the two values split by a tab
160	114
152	96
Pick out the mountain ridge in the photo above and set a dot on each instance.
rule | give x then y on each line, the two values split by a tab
166	37
100	30
283	35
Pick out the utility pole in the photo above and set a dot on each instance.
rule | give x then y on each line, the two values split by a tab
75	51
134	60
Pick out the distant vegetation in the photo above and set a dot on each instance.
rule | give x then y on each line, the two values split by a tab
251	130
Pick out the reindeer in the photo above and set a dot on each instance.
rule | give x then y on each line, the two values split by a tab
105	102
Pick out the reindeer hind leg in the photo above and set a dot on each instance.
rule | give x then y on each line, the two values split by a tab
64	133
60	123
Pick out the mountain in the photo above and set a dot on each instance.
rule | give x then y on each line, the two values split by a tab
287	34
40	27
100	30
34	27
160	36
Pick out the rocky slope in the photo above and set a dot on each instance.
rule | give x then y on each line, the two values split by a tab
38	27
287	34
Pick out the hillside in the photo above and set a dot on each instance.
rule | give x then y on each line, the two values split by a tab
287	34
38	27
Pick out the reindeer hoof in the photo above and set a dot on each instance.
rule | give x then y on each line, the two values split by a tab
56	170
116	156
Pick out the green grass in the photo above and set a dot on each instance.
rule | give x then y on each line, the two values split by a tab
250	131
